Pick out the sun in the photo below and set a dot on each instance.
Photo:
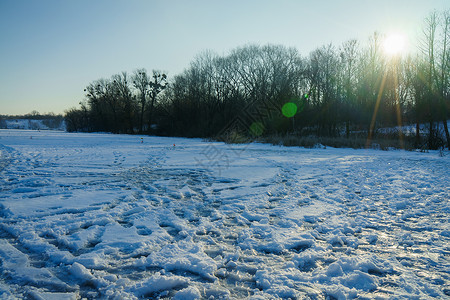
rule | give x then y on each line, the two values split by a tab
394	44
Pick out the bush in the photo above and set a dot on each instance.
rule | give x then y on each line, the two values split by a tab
234	137
339	142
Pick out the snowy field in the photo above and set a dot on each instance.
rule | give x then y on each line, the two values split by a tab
106	216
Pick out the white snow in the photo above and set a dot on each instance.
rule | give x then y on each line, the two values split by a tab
106	216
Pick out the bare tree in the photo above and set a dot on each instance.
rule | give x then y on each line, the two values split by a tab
444	74
372	84
349	56
141	82
430	74
157	85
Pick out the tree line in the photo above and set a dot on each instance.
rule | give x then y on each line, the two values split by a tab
271	89
50	119
121	104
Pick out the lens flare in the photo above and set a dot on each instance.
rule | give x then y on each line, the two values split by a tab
257	128
289	109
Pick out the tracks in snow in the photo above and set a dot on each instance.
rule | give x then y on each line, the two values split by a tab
331	217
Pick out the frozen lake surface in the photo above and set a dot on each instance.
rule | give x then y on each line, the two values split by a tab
117	216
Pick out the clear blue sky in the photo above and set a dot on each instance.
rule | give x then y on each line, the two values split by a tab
51	49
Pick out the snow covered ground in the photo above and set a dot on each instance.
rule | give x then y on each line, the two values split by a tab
105	216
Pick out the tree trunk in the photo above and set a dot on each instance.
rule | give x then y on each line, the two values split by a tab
447	135
347	129
417	134
141	125
150	114
430	136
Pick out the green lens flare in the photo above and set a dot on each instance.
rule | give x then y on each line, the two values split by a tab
256	129
289	109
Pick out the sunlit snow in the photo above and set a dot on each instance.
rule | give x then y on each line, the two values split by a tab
106	216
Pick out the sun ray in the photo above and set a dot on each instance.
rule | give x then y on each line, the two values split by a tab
375	111
398	109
